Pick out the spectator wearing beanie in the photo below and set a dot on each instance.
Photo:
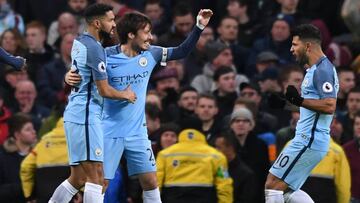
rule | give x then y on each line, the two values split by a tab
278	40
219	55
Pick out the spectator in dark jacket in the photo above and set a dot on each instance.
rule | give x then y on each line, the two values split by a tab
15	148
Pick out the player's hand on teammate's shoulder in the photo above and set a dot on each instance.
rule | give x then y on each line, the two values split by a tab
203	18
72	78
130	95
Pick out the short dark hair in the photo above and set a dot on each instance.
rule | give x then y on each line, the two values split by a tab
17	122
287	70
307	32
355	89
187	89
342	69
181	9
131	23
222	70
95	11
208	96
229	138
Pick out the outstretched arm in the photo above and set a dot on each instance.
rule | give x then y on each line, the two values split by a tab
189	43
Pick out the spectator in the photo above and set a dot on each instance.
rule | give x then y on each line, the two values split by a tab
290	7
206	110
250	148
265	122
219	55
66	23
277	41
46	166
353	154
350	14
38	52
25	94
178	65
168	135
347	120
268	81
51	76
165	79
5	114
152	113
13	42
183	21
9	18
225	92
154	10
228	34
16	147
336	130
346	82
248	28
244	179
192	171
9	79
264	60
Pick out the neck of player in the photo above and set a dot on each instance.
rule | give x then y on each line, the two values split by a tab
315	56
129	50
94	32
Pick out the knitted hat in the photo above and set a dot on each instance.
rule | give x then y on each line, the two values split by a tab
214	48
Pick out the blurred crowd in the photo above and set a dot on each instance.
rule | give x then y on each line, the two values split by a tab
222	89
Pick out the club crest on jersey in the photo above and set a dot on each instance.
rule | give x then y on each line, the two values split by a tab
98	152
327	87
101	67
143	61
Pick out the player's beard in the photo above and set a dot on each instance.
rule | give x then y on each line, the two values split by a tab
104	36
303	59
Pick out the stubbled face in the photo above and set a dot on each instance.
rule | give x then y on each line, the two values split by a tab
107	25
298	50
206	109
143	39
184	24
188	100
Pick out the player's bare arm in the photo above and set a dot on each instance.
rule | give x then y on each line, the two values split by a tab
105	90
326	105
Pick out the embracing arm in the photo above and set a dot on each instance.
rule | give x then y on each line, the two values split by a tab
16	61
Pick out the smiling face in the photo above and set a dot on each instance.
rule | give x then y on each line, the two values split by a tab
142	39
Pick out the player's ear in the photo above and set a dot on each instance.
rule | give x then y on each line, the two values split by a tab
131	35
97	23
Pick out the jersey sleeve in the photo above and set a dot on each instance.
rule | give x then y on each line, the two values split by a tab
9	59
96	61
181	51
324	81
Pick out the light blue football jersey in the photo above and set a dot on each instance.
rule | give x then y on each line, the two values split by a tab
122	118
320	82
88	57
